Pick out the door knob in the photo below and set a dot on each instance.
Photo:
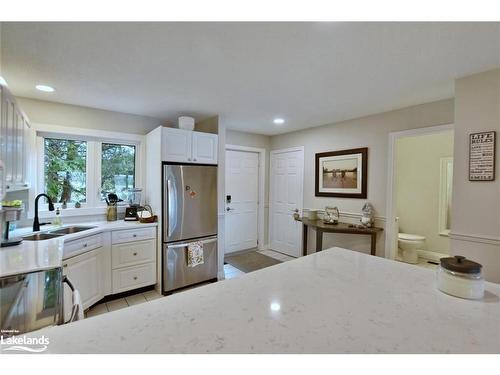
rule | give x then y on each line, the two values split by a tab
229	209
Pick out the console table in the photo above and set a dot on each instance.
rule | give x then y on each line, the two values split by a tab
321	228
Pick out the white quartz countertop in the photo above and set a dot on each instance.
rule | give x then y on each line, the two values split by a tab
32	256
335	301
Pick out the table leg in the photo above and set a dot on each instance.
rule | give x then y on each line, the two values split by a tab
373	249
319	240
304	240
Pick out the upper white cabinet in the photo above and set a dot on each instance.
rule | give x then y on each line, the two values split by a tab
186	146
204	148
176	145
14	142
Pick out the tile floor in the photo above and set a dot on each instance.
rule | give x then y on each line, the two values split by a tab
230	272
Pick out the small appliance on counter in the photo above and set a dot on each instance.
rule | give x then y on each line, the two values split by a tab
7	215
134	200
460	277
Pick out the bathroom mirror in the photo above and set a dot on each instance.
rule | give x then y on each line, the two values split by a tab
445	192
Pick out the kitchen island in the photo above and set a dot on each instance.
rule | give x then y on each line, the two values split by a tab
335	301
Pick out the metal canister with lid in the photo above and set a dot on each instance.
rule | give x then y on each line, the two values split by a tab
460	277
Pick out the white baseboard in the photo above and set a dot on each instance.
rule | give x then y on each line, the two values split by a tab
431	255
264	247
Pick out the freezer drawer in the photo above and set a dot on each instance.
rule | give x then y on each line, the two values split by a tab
176	273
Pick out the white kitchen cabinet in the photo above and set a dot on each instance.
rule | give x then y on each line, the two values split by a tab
133	258
176	145
84	271
184	146
14	142
204	148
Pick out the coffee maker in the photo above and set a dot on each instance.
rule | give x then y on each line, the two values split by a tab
134	201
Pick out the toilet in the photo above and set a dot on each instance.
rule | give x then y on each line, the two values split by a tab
408	245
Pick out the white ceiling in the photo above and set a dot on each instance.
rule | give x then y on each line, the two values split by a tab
308	73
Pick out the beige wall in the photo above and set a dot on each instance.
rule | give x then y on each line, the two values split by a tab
45	112
476	205
238	138
372	132
209	125
417	173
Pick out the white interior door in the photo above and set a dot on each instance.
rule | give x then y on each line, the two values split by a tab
286	197
242	182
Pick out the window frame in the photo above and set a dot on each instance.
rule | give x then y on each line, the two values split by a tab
94	139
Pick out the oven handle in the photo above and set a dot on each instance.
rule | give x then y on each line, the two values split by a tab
186	244
77	307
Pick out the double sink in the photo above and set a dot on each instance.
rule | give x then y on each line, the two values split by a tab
55	233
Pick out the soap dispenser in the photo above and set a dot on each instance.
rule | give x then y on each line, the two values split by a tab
57	219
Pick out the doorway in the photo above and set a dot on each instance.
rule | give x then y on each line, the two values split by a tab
419	192
286	199
244	217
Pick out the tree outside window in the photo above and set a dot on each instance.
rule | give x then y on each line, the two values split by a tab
65	163
117	169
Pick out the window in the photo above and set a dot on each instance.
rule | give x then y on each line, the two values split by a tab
65	169
117	169
84	169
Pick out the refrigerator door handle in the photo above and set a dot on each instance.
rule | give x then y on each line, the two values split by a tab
204	242
167	213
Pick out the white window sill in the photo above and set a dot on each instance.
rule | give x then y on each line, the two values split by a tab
84	211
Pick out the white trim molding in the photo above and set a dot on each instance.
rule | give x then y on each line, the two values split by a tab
262	189
475	238
391	225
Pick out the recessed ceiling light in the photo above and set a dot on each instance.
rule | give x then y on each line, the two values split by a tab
45	88
279	121
275	306
3	82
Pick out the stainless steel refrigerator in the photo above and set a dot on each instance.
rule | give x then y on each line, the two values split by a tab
189	214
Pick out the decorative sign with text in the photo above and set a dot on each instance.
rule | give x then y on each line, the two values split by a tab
482	156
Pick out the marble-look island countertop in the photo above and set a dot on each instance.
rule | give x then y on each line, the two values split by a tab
31	256
335	301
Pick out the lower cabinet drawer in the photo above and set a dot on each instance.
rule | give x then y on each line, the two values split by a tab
137	234
132	253
134	277
86	243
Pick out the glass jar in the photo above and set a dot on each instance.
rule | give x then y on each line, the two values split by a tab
460	277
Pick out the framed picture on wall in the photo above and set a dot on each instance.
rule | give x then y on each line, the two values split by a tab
482	147
342	173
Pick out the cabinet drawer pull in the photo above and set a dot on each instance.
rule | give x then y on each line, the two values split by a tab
135	254
135	277
84	245
135	235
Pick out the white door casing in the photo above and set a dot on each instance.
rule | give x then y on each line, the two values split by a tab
392	221
242	185
286	198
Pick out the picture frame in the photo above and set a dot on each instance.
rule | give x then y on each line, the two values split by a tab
482	156
342	174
